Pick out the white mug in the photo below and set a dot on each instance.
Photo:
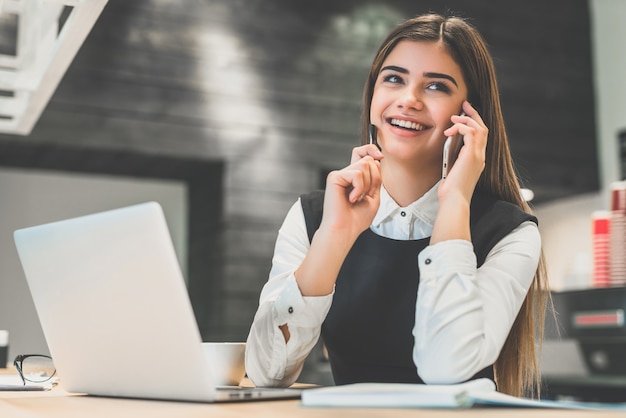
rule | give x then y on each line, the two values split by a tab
226	362
4	348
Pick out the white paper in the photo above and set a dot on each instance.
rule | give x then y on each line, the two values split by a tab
504	400
475	393
397	395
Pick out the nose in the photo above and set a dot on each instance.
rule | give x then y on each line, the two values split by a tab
411	99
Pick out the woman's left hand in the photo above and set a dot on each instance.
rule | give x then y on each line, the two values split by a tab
455	192
470	163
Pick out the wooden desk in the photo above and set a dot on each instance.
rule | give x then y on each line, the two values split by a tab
59	404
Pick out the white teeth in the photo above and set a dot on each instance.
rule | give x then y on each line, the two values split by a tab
407	124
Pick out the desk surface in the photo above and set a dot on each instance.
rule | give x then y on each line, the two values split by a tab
59	404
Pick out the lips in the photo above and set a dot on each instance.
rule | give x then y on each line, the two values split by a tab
406	124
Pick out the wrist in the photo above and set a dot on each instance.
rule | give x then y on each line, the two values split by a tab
318	272
334	242
452	219
455	201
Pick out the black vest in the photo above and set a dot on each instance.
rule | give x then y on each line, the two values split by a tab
368	330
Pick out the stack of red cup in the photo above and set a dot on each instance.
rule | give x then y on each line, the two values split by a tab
618	234
600	236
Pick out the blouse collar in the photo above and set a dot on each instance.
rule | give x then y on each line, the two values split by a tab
425	208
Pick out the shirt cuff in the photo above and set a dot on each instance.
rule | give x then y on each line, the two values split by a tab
296	310
445	258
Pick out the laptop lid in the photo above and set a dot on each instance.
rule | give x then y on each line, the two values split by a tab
114	307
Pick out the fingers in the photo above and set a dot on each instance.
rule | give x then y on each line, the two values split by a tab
365	150
471	160
376	178
365	179
470	110
470	125
360	179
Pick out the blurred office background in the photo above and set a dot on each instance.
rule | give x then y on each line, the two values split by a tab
226	110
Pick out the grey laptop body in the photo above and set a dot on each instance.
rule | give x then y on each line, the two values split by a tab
115	311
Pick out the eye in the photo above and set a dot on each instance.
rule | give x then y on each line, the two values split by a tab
393	79
438	86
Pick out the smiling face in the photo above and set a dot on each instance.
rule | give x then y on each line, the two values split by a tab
418	89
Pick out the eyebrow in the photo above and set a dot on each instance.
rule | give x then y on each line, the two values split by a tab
426	74
440	75
395	68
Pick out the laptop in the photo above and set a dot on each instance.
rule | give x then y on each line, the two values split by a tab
115	311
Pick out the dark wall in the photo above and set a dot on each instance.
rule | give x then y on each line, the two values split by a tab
267	92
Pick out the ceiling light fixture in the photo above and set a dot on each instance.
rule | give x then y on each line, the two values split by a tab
38	41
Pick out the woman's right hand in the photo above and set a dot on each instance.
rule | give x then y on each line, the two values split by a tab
351	201
353	193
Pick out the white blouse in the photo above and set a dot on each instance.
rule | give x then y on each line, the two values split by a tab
463	313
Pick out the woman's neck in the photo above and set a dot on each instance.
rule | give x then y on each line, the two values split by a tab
406	184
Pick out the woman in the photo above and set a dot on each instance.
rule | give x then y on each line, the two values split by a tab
407	277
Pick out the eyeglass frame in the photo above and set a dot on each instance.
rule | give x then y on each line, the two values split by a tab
19	360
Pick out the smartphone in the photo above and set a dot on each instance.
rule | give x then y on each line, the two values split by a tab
451	149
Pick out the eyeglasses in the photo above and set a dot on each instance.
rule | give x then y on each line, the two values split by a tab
34	368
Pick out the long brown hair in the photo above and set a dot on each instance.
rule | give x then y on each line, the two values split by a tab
517	367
